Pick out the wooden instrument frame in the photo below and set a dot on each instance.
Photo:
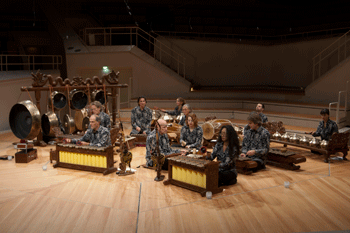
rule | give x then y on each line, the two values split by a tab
287	162
40	80
211	170
337	143
108	153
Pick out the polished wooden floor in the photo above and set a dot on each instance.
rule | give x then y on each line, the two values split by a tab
65	200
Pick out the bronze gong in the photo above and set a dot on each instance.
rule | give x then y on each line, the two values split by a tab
81	119
25	120
48	121
78	99
68	124
98	95
58	99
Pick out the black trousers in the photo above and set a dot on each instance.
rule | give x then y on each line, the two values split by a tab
259	161
227	177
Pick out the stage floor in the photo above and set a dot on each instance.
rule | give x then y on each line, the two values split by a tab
66	200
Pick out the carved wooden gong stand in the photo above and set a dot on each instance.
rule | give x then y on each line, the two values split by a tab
43	82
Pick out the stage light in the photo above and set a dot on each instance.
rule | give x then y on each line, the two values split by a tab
105	69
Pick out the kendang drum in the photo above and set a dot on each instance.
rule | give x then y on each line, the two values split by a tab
78	99
25	120
48	121
98	95
58	100
81	119
212	128
68	124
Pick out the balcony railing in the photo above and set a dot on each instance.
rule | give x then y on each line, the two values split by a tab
330	57
111	36
30	62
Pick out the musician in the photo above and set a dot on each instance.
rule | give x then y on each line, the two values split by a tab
259	109
326	127
178	109
186	109
226	150
141	117
191	134
256	142
96	136
164	146
97	108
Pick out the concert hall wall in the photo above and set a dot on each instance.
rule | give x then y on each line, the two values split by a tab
232	64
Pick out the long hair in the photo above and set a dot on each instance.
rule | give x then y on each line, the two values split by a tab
182	100
232	139
194	119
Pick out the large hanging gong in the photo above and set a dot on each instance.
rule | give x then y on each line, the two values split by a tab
25	120
81	119
58	100
48	121
68	124
78	99
98	95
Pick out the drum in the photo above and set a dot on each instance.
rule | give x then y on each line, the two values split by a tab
48	121
58	100
78	99
25	120
212	128
81	119
68	124
98	95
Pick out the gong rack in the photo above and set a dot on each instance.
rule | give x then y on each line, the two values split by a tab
43	82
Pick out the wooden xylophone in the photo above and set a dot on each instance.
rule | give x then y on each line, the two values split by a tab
194	174
286	159
140	139
87	158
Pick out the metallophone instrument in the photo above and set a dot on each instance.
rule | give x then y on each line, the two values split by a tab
198	175
140	139
337	143
86	158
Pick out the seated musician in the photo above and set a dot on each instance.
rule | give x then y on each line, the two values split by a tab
164	146
256	142
259	109
186	109
97	108
96	136
226	150
326	127
191	134
141	117
178	109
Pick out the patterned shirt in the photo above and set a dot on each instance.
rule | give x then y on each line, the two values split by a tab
105	120
194	138
182	121
258	140
164	146
100	137
326	132
227	162
141	118
263	117
176	112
